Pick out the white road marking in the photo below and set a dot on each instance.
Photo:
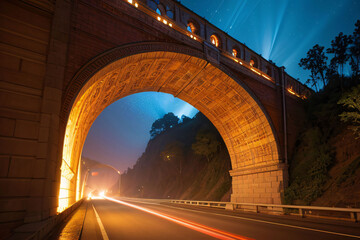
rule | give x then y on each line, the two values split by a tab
273	223
102	229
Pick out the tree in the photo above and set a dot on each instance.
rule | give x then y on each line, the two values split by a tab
206	144
168	121
316	63
339	47
185	119
351	101
355	50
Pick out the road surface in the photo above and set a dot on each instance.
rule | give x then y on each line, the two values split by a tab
139	219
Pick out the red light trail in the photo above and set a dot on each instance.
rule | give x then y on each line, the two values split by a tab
216	233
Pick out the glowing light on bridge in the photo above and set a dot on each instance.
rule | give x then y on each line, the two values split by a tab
234	52
267	77
255	71
292	91
215	40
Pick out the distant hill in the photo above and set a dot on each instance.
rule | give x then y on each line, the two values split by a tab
169	168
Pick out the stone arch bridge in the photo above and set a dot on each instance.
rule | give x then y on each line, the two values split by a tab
62	62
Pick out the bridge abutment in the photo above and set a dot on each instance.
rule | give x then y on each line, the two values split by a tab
262	184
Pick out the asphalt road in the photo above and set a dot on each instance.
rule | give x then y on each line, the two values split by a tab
114	219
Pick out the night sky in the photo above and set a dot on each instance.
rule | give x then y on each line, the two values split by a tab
280	30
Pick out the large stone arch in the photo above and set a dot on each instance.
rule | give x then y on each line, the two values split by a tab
183	72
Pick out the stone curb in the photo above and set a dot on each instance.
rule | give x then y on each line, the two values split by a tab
41	230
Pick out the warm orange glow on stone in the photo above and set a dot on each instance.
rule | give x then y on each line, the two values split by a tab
237	116
234	52
292	91
214	40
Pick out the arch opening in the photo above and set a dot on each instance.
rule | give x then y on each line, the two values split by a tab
214	39
237	115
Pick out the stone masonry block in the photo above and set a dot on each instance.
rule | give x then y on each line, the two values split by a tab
37	187
14	187
52	94
45	120
11	216
7	127
33	68
43	134
13	204
50	106
19	101
41	151
27	129
34	204
9	62
21	167
4	165
39	170
17	147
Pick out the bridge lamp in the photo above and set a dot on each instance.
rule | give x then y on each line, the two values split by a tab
130	1
164	21
136	5
170	24
159	18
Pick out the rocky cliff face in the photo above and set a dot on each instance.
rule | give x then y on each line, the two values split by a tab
169	168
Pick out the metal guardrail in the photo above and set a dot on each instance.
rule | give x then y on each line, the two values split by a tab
352	213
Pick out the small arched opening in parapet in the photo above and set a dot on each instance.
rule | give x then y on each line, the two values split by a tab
215	40
161	9
254	62
193	27
214	90
236	52
169	12
152	4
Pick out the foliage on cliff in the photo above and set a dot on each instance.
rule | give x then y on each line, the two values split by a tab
324	169
170	168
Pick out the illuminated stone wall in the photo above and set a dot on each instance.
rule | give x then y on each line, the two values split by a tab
54	58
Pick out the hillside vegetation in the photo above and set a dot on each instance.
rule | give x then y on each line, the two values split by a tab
172	165
325	168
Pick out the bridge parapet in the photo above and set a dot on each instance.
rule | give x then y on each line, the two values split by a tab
176	20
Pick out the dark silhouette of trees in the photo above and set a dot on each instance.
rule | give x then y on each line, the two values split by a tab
340	49
355	50
316	63
185	119
206	144
168	121
345	51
